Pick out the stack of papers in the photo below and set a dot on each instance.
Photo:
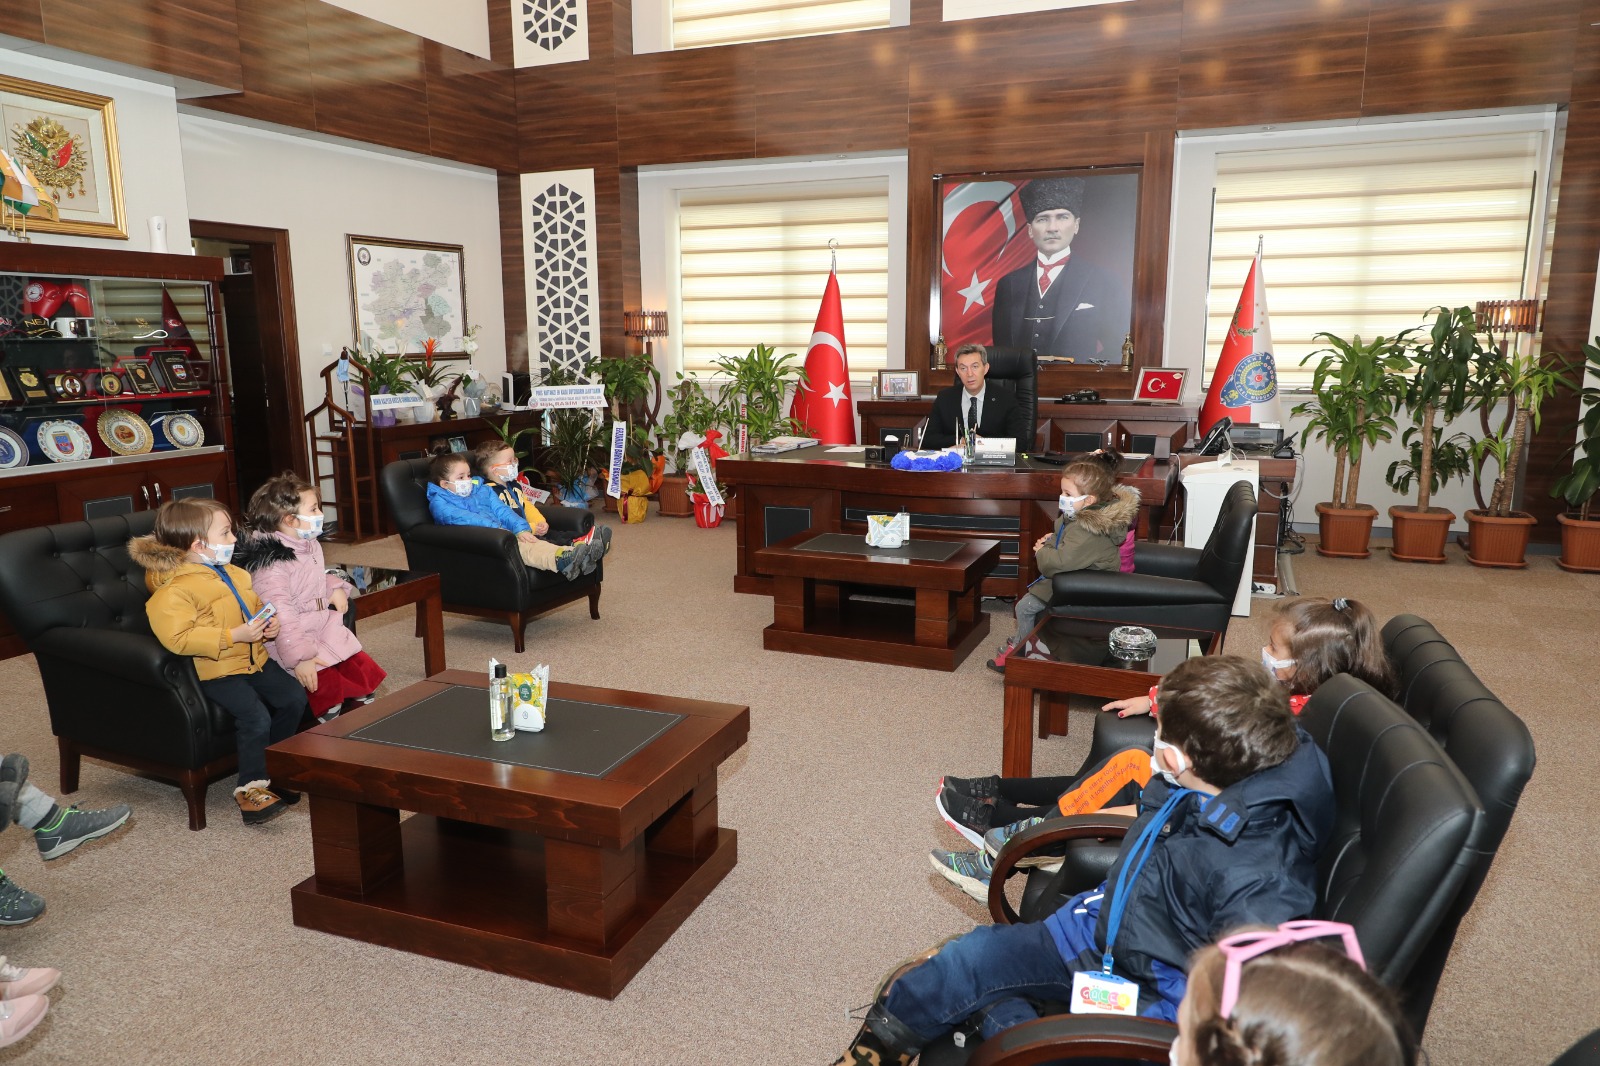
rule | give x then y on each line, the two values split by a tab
779	445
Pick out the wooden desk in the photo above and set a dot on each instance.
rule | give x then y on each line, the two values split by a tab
780	497
813	612
570	880
1070	427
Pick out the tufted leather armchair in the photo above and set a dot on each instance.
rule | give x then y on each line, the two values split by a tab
1016	370
1192	588
480	571
114	692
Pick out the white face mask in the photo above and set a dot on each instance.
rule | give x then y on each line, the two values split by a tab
1160	767
505	473
315	521
462	488
1274	665
221	554
1070	504
1172	1055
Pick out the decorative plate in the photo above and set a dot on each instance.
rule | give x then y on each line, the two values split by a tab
125	432
62	441
182	429
13	449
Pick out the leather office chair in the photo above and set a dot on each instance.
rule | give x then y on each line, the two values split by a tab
1016	370
480	571
1491	746
113	691
1172	586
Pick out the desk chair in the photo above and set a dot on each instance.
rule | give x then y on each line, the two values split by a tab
1016	370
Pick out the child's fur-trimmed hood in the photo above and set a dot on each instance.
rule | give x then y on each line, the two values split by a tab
1115	517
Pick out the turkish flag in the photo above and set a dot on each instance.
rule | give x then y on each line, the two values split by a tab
823	404
985	238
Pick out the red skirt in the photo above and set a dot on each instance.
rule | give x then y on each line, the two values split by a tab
356	676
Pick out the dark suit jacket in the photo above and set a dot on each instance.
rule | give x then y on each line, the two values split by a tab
1000	416
1075	330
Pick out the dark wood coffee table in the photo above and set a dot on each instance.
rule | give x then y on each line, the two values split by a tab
570	880
380	589
1080	664
818	578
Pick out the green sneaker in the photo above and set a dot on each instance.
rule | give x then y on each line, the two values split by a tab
65	829
968	870
18	906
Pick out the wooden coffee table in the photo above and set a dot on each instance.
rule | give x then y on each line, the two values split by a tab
380	589
570	880
814	576
1080	664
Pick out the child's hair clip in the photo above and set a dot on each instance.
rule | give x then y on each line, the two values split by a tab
1341	604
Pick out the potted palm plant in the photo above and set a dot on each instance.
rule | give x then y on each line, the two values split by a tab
1355	389
693	413
1441	388
1580	534
629	380
1497	535
753	394
570	444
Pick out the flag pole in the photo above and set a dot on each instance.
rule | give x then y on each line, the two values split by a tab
833	252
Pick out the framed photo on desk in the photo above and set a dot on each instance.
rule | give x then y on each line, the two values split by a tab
1158	384
899	384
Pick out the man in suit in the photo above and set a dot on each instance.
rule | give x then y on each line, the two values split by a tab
1055	305
970	405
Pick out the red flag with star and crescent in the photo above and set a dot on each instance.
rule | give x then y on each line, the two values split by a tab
823	404
985	238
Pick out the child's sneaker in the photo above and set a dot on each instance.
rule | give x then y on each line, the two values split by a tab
978	788
969	817
998	663
18	906
995	840
19	981
256	803
63	830
19	1016
967	870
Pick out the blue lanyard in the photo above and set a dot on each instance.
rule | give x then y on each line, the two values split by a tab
1142	847
226	580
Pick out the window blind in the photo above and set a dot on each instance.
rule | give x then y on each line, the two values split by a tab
753	262
1365	238
702	23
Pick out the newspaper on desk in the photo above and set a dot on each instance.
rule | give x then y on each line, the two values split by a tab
888	530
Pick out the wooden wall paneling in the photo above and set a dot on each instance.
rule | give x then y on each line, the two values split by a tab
369	79
1150	264
196	39
628	269
513	273
1305	59
275	57
922	256
23	18
1446	55
472	108
566	115
500	29
611	265
680	107
843	93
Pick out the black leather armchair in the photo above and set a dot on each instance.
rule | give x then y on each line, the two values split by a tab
480	571
1016	370
114	692
1172	586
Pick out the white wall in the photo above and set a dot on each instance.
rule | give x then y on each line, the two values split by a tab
320	192
147	138
462	24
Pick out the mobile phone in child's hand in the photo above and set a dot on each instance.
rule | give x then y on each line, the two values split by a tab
264	615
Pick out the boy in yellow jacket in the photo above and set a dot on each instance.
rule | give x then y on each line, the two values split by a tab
201	607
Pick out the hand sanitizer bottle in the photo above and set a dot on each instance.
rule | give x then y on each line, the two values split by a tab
500	704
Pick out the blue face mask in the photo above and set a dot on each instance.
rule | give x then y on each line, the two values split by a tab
316	526
221	554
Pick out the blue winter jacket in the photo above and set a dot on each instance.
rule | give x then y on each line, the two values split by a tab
482	508
1245	856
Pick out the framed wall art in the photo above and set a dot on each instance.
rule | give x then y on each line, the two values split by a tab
1038	260
404	292
65	141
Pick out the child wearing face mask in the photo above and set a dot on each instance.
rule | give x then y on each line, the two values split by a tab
202	607
1311	639
456	498
285	562
496	463
1095	517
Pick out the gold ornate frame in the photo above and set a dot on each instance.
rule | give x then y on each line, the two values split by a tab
108	221
353	243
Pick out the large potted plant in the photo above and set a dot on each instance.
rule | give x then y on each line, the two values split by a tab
629	381
1441	387
1355	389
1580	534
1497	534
754	391
693	413
573	437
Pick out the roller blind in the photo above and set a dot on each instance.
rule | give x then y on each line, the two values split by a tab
701	23
1365	238
753	262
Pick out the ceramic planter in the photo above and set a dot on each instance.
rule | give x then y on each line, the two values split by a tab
1419	536
1499	542
1580	544
673	496
1345	532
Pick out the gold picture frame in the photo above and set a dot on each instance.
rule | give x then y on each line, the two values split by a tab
68	140
402	292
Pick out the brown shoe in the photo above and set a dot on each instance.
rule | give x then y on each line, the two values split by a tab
257	803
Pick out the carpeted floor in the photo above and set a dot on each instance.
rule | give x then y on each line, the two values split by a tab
178	947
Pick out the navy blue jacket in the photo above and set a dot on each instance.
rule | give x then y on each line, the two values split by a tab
1245	856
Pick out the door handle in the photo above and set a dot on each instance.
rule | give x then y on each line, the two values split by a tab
146	490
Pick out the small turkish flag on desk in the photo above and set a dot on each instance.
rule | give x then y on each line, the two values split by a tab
823	404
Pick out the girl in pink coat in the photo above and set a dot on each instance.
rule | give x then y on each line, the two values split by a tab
286	565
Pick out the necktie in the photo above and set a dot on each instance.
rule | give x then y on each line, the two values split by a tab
972	415
1047	274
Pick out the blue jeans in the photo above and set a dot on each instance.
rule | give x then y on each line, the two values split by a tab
990	970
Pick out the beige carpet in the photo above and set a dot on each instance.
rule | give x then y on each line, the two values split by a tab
178	947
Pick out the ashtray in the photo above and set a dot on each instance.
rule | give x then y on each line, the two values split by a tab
1132	643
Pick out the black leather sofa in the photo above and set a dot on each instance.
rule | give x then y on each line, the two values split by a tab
480	571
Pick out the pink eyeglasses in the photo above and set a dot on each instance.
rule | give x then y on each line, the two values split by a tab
1240	948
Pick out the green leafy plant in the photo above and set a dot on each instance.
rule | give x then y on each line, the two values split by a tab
513	439
1441	388
1355	388
1579	485
382	371
425	371
572	438
1524	383
1449	459
753	394
693	411
629	381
